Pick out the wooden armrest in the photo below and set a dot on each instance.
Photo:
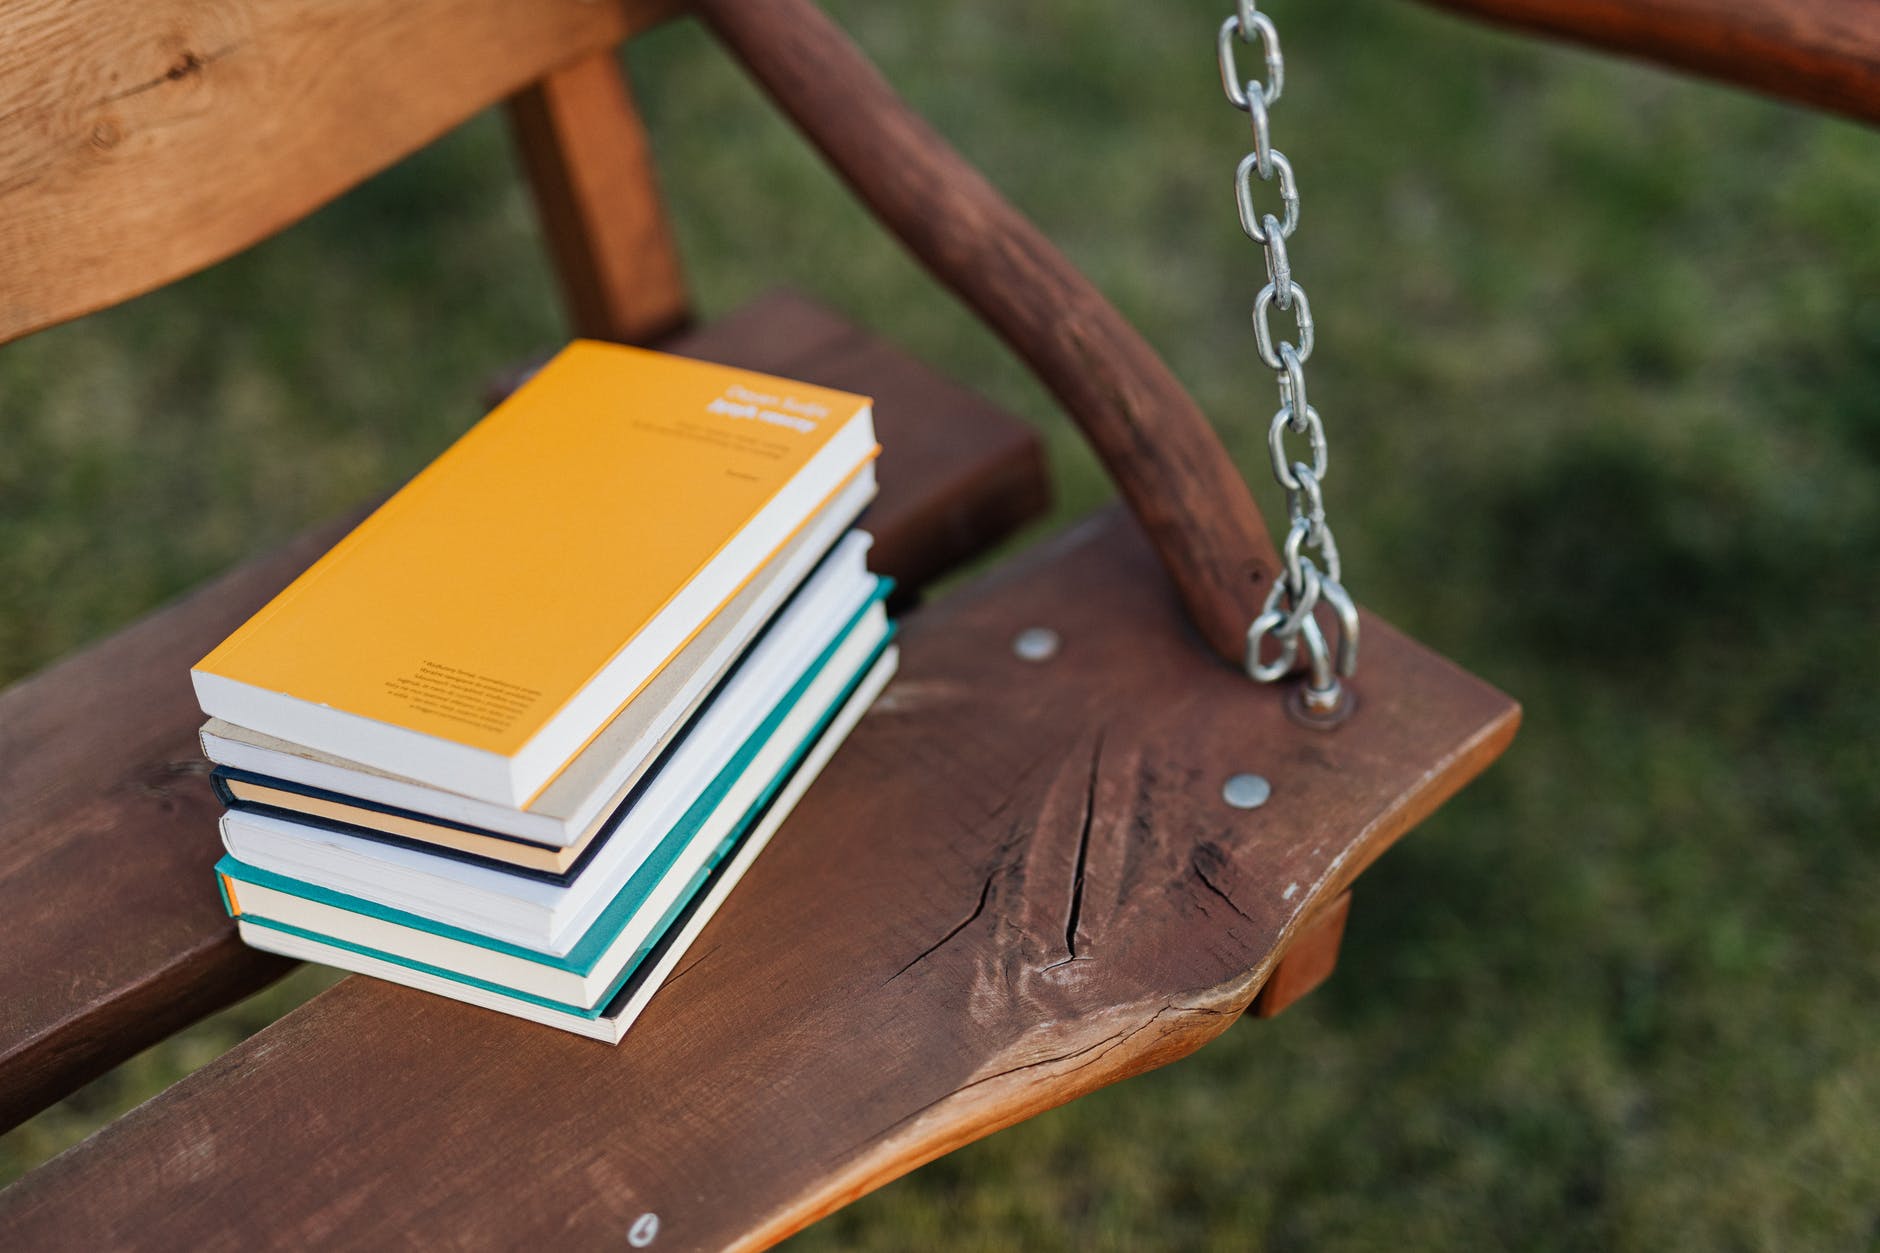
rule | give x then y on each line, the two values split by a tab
1816	52
1157	445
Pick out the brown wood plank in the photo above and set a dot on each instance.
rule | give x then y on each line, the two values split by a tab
1016	882
1308	961
1824	53
591	167
107	826
145	141
1156	443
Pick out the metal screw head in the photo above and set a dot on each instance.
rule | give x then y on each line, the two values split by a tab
1246	791
1036	644
1324	710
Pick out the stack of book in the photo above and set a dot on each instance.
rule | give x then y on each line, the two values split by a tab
516	737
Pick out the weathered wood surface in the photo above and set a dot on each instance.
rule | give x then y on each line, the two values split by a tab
1156	444
1016	883
114	935
1824	53
591	166
142	142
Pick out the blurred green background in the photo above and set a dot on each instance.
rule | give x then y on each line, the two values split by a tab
1600	356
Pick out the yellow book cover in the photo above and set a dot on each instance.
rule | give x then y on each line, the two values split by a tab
495	613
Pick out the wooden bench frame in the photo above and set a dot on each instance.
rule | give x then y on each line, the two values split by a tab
103	196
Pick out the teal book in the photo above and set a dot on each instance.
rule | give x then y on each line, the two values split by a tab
585	980
656	963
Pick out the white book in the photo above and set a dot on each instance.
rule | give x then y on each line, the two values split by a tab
592	971
627	1005
600	776
547	917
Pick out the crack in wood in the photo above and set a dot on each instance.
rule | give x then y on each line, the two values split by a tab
1114	1040
985	892
1202	874
1083	856
968	1086
188	65
690	966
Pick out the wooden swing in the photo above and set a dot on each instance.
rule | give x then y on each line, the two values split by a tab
1018	882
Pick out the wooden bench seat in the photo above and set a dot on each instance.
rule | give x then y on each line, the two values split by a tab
115	937
1017	882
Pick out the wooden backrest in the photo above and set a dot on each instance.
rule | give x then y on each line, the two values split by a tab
142	142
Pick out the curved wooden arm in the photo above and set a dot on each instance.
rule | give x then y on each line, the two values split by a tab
1157	445
1824	53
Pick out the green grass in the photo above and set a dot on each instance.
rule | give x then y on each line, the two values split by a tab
1600	358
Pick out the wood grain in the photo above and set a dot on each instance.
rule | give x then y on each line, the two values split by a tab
591	166
1017	882
114	935
1157	445
1824	53
142	142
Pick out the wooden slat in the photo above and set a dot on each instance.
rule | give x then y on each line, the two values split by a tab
1155	442
591	166
114	936
1015	883
1824	53
141	142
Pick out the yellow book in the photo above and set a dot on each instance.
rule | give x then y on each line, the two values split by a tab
491	617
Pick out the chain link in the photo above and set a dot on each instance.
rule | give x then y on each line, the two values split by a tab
1313	574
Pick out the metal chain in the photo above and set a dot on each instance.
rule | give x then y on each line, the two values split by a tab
1313	574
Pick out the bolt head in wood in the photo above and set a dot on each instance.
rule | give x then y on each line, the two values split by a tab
1246	791
1036	644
